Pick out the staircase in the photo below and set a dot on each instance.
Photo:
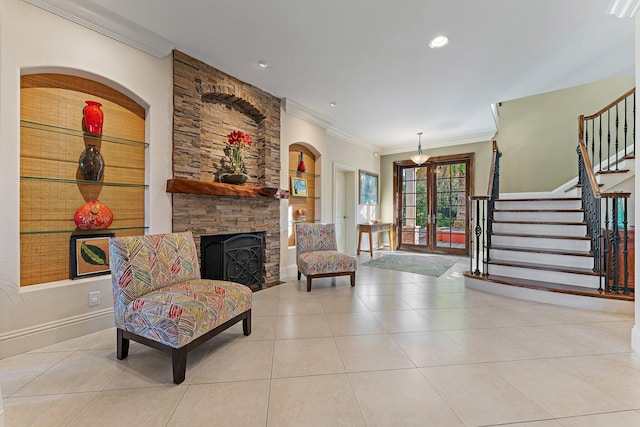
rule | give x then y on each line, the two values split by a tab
541	242
575	245
541	245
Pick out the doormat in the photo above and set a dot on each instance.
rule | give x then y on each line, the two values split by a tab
429	265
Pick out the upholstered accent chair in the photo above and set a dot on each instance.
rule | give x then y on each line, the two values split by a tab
161	301
317	254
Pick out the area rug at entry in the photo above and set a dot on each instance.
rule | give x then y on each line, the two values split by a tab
429	265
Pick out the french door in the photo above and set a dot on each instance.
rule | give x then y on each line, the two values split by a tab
430	204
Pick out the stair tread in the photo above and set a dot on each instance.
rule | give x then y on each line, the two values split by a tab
540	210
539	236
551	287
501	221
611	171
536	199
547	267
542	251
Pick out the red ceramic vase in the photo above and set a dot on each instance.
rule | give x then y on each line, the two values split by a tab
93	117
301	166
93	215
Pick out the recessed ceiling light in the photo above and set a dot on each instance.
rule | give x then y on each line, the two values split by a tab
438	42
333	103
263	64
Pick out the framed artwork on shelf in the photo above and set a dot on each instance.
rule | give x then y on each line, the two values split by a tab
298	186
90	254
368	188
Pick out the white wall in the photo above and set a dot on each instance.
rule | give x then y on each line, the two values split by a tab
635	332
328	150
33	40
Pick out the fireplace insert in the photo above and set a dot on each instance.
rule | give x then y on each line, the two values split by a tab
235	257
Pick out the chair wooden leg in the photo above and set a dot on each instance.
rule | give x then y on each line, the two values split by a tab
353	278
246	324
122	345
308	284
179	361
299	275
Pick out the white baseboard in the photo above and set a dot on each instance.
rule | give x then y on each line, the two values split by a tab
33	337
575	301
635	339
289	272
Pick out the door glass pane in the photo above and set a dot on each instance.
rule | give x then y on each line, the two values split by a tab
450	205
414	206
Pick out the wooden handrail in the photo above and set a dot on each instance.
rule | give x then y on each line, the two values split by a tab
493	166
587	163
610	105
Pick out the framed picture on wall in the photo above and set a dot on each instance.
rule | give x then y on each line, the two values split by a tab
298	186
368	188
90	254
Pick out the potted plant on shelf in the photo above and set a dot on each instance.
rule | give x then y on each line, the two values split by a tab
237	143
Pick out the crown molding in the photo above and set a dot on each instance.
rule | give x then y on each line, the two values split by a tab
624	8
353	140
306	114
105	22
443	142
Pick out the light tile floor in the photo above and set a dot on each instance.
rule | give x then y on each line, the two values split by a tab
397	350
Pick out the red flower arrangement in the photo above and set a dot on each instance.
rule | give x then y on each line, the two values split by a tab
237	141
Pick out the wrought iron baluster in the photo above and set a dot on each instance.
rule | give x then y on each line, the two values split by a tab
477	231
471	221
625	247
484	245
614	241
608	139
607	246
596	164
626	127
593	142
617	142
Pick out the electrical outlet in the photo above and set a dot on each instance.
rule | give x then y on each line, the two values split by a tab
94	298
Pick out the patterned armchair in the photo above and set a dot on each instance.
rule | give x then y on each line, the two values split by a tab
317	254
161	301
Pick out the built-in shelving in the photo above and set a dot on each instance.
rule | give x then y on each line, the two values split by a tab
52	139
303	203
83	181
44	127
294	172
76	230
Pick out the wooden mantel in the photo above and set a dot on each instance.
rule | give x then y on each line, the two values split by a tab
192	186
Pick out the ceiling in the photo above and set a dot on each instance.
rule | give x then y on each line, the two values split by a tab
372	58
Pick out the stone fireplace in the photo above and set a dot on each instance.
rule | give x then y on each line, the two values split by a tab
208	105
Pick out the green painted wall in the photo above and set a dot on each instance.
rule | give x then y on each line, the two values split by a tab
538	135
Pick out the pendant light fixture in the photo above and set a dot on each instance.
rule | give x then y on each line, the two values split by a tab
419	158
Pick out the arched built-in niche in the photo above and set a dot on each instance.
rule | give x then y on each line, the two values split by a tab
303	207
222	112
51	190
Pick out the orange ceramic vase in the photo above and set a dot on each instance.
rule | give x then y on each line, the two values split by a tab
93	215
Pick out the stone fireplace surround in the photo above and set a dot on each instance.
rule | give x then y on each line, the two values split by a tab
208	105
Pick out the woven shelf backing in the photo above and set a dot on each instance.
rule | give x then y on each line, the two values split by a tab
51	186
306	203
